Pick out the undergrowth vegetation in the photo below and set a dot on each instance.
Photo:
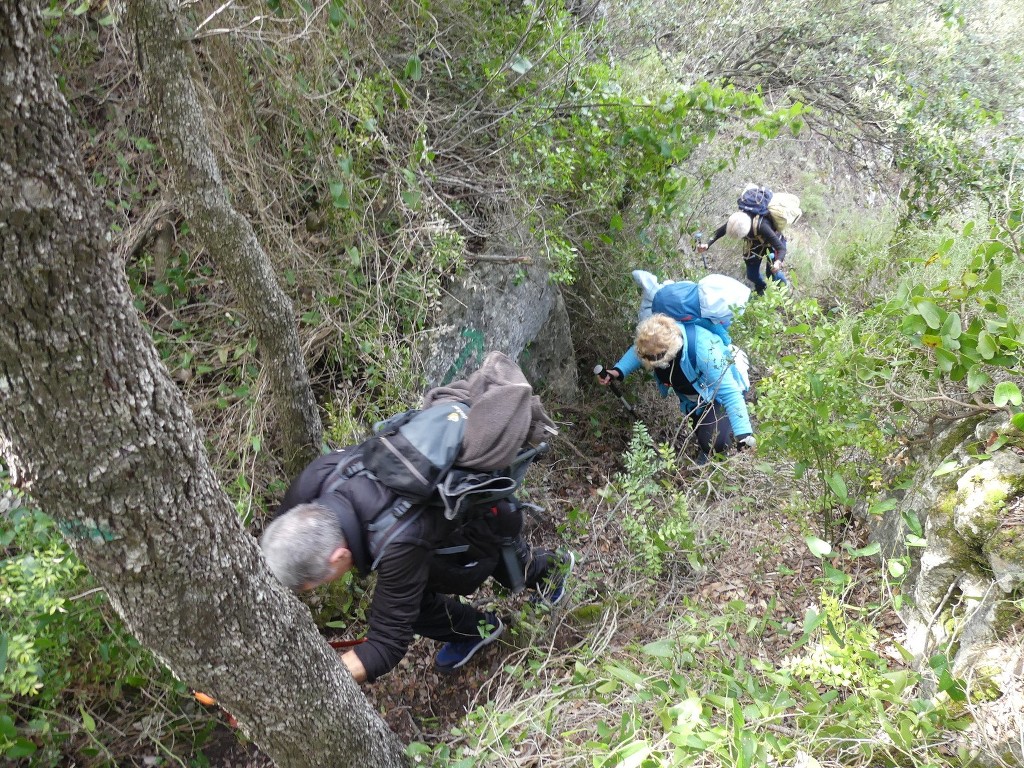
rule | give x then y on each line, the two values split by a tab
660	678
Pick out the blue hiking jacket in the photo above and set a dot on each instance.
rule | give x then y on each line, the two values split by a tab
715	378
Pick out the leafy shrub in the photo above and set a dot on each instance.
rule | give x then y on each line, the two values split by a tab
961	328
60	652
809	408
654	520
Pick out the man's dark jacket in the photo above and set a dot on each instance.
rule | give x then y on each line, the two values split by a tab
403	573
410	566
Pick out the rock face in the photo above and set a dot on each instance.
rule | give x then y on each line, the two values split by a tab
967	580
513	308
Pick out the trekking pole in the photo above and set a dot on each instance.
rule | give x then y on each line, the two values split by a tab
599	370
699	237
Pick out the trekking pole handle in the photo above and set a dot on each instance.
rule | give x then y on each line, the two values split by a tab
698	236
600	370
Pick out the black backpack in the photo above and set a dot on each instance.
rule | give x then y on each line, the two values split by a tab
413	454
755	201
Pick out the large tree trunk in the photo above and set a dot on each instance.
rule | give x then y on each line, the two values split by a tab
168	64
93	428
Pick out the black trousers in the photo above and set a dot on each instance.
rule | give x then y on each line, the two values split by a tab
713	428
446	618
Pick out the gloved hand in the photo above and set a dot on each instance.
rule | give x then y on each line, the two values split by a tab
609	375
746	441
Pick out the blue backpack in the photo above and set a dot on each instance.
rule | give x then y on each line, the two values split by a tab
710	303
755	201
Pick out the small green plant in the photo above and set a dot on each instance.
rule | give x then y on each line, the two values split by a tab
810	409
842	653
64	658
654	519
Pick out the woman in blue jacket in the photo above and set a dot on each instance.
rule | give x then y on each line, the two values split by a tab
709	387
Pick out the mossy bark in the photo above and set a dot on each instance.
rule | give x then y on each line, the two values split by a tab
93	427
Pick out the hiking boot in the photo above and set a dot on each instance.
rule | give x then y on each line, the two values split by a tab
456	653
552	588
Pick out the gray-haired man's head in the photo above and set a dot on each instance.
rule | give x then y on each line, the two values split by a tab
302	545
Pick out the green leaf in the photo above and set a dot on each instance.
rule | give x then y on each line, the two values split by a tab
812	620
951	326
976	378
994	284
913	522
21	748
838	485
339	194
931	314
7	729
871	549
414	69
1006	392
3	654
411	197
945	468
87	722
881	507
986	345
913	325
837	577
896	568
661	649
817	387
819	547
1018	421
944	359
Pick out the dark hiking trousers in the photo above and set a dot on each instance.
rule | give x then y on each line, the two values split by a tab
713	429
446	618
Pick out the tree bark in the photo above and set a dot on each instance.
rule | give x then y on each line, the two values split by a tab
168	63
94	429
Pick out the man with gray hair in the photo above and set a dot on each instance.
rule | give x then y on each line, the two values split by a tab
325	528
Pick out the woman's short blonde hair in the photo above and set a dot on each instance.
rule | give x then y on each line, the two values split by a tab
658	341
738	225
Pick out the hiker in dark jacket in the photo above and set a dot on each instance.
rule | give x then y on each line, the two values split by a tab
325	528
760	241
319	534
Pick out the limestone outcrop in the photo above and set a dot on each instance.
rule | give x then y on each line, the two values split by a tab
966	583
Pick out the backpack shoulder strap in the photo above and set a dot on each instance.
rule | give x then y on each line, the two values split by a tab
388	525
691	344
755	227
345	470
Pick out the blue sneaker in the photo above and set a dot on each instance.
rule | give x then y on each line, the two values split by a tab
552	589
456	653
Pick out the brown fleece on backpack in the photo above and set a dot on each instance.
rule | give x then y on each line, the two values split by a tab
504	414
